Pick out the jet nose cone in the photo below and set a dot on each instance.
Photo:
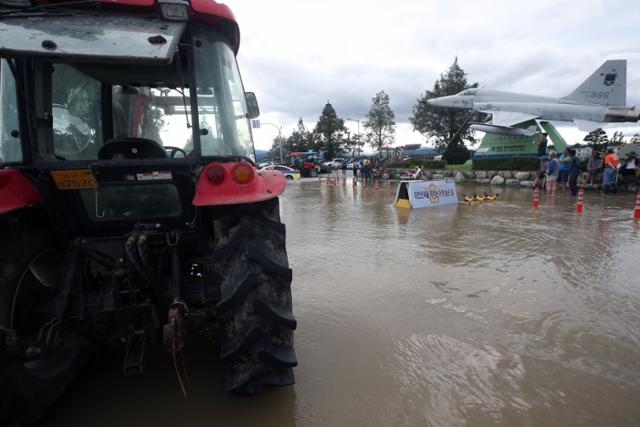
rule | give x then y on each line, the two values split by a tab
442	101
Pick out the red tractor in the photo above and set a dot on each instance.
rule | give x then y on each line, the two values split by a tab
304	163
131	210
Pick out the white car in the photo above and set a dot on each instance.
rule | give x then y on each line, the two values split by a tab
288	172
335	163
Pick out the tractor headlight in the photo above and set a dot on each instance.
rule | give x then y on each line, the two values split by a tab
174	10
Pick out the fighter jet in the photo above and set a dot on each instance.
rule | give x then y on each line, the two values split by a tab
598	101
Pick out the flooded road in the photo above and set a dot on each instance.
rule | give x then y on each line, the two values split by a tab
490	314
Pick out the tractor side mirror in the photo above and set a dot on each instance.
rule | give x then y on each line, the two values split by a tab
252	105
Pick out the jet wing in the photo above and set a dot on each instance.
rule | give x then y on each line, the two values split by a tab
587	125
508	118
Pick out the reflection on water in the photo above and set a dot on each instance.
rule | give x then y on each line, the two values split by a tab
493	313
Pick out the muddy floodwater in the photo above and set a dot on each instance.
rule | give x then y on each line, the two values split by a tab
490	314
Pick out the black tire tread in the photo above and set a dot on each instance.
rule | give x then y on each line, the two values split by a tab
255	313
25	397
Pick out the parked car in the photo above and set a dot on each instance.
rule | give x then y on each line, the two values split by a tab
289	173
335	163
351	162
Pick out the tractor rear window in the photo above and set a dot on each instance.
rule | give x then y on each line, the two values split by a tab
76	108
131	202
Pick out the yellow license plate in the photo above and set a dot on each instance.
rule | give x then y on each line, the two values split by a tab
74	179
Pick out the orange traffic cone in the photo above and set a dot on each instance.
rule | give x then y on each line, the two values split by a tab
636	211
579	205
536	202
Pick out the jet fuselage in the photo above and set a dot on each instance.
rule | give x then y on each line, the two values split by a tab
544	108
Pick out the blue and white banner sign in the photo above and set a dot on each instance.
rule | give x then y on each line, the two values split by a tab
428	194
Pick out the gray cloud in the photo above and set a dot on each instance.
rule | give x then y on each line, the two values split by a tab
297	55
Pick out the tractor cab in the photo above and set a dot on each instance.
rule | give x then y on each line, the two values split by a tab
120	107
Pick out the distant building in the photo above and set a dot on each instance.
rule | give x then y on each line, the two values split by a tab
415	151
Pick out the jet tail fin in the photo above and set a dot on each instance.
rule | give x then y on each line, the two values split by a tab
606	86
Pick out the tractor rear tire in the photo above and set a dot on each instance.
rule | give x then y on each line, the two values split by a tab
27	388
255	309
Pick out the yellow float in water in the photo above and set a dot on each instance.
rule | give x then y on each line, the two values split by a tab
477	198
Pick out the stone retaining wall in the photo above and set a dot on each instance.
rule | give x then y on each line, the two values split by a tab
511	178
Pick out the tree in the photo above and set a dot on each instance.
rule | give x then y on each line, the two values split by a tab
597	139
275	147
380	123
353	143
446	126
617	138
329	131
300	139
635	139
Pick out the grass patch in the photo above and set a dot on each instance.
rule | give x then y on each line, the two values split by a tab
463	167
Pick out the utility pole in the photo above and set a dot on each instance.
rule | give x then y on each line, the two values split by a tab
279	138
358	121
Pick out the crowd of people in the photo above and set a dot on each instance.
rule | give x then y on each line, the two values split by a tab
363	168
559	172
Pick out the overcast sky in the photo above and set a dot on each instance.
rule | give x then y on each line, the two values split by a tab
297	55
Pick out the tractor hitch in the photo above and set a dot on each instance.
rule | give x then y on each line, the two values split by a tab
174	331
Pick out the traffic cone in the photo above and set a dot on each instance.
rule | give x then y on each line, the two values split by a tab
636	211
579	205
536	202
328	181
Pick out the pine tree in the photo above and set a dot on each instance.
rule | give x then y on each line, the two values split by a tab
329	131
448	127
597	139
300	139
380	122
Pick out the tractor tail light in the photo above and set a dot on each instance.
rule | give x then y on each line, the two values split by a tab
242	174
216	175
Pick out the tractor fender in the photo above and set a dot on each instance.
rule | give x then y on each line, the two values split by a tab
16	191
264	185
